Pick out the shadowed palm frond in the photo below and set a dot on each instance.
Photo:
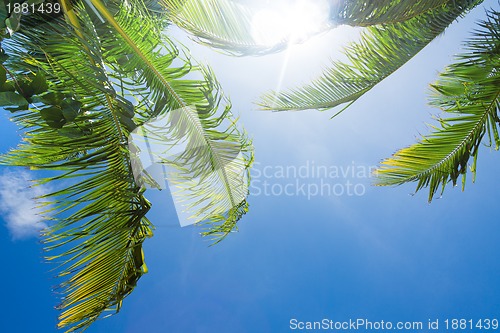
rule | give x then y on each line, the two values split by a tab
470	91
381	51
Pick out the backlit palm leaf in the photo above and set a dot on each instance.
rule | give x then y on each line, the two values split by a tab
104	80
381	51
470	90
229	25
99	214
222	24
367	13
215	143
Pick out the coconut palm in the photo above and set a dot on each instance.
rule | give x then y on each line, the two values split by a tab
79	84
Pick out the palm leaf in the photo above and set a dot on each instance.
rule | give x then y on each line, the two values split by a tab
99	221
221	24
381	51
213	137
225	25
367	13
104	80
470	90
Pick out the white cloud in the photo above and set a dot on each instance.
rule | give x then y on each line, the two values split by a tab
18	206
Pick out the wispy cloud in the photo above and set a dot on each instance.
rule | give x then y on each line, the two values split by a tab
18	207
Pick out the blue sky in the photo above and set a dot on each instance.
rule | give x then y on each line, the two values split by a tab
384	255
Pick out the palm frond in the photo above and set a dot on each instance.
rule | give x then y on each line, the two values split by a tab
470	90
209	127
105	79
99	221
381	51
228	25
367	13
225	25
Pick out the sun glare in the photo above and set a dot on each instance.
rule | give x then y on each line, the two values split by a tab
292	21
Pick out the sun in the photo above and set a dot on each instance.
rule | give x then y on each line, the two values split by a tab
291	21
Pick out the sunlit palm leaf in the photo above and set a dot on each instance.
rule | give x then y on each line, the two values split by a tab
381	51
99	212
211	131
367	13
229	25
221	24
470	90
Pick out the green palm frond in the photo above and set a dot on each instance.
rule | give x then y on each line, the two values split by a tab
381	51
99	221
222	24
470	90
367	13
214	141
227	25
204	168
104	80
